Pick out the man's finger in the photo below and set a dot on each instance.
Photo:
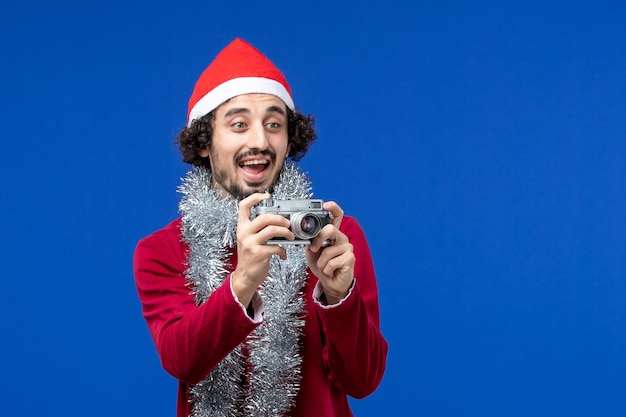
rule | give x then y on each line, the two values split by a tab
247	203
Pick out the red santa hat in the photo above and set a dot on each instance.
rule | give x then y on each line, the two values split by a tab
239	69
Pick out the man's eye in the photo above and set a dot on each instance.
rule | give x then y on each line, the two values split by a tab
239	125
273	125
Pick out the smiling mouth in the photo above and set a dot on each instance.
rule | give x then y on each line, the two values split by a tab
254	166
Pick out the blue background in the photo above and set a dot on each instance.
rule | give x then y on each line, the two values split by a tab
481	145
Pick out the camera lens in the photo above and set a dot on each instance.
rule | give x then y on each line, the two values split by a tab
309	224
305	225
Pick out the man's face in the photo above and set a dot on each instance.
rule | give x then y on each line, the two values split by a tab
249	144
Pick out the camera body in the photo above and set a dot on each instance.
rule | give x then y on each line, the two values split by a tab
307	218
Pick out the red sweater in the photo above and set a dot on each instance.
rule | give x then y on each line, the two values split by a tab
344	352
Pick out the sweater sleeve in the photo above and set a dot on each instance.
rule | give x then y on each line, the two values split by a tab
191	340
355	350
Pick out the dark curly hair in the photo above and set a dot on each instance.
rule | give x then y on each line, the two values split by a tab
198	136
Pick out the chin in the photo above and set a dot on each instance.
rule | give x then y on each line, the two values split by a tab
257	189
240	192
242	189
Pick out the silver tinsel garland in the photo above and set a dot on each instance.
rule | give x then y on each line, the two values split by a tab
273	362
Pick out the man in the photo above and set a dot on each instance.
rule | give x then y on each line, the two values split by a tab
250	328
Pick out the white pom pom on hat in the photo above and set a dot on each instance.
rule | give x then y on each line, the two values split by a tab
238	69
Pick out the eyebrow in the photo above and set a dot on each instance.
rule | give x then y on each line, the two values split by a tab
239	110
275	109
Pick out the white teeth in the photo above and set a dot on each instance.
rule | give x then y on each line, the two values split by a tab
254	162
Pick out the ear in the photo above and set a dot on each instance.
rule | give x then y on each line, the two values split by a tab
204	152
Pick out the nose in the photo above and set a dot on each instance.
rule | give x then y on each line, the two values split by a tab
257	138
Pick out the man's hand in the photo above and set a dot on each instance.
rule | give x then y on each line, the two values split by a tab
333	265
253	254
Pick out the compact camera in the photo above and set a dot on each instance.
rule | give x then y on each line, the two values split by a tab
307	218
